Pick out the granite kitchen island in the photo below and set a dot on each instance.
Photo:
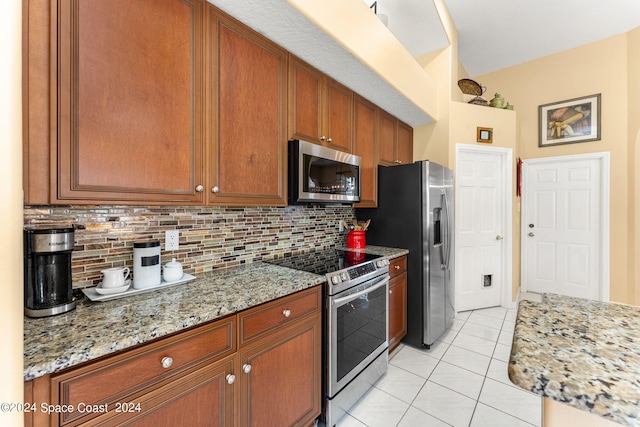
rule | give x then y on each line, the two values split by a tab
582	353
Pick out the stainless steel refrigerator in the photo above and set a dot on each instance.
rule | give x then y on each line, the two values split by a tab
415	212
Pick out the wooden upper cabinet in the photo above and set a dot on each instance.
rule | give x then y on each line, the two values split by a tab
320	109
366	146
404	144
129	101
247	87
396	140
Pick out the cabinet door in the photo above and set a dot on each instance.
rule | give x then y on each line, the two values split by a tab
365	146
128	101
397	310
339	116
305	101
388	128
248	153
200	398
282	386
404	147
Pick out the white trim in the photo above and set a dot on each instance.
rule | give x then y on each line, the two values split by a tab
506	158
605	192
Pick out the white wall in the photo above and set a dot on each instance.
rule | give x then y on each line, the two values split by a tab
11	364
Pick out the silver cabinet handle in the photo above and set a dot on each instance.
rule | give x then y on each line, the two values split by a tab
322	138
166	362
230	379
286	313
215	189
398	162
397	267
246	368
390	291
329	140
531	234
498	237
199	188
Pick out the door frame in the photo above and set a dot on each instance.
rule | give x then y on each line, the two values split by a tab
506	160
605	193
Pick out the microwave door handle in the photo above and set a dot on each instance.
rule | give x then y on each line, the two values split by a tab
349	298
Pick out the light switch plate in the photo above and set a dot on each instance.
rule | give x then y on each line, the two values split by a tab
171	240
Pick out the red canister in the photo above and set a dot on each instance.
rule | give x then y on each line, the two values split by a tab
356	239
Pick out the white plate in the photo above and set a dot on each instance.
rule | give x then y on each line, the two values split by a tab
93	295
111	291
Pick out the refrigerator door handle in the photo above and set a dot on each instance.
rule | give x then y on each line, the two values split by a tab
447	233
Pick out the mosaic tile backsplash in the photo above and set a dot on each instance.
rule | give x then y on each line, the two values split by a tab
210	237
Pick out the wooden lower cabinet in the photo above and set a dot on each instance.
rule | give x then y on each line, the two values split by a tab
272	380
397	301
280	378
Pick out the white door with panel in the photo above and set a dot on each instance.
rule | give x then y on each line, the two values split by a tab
482	212
562	226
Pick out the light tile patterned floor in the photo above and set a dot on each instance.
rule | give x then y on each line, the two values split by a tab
461	381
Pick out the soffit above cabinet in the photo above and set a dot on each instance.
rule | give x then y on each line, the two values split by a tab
411	98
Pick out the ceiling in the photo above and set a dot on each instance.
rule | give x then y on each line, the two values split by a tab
495	34
492	34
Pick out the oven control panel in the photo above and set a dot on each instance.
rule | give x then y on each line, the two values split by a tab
355	272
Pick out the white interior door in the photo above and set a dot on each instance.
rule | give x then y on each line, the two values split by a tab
563	224
482	235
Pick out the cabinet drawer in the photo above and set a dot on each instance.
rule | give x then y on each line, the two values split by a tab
258	321
114	379
398	266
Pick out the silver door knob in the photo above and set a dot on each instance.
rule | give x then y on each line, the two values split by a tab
286	313
246	368
215	189
498	237
199	188
230	378
531	234
166	362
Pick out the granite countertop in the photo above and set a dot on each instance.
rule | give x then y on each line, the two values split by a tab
580	352
96	329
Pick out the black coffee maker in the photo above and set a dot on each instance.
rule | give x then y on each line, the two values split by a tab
47	271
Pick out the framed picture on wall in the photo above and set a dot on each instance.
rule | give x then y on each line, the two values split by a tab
484	135
570	121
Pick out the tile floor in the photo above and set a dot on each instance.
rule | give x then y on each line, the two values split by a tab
460	381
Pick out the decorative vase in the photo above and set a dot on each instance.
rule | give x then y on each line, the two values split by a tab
497	101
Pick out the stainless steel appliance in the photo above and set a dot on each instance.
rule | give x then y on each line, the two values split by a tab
415	212
356	327
47	271
322	175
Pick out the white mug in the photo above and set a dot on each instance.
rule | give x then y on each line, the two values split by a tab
114	277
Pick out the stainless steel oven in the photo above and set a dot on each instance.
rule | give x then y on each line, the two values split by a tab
356	327
357	350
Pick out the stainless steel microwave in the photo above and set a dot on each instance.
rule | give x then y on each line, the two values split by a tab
319	174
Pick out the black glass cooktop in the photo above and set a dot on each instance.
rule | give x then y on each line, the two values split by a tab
323	262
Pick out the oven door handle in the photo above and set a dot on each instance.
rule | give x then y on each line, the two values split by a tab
348	298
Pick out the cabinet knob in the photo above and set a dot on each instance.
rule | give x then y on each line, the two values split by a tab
390	291
397	267
166	362
230	378
329	140
286	313
246	368
199	188
322	138
215	189
398	162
